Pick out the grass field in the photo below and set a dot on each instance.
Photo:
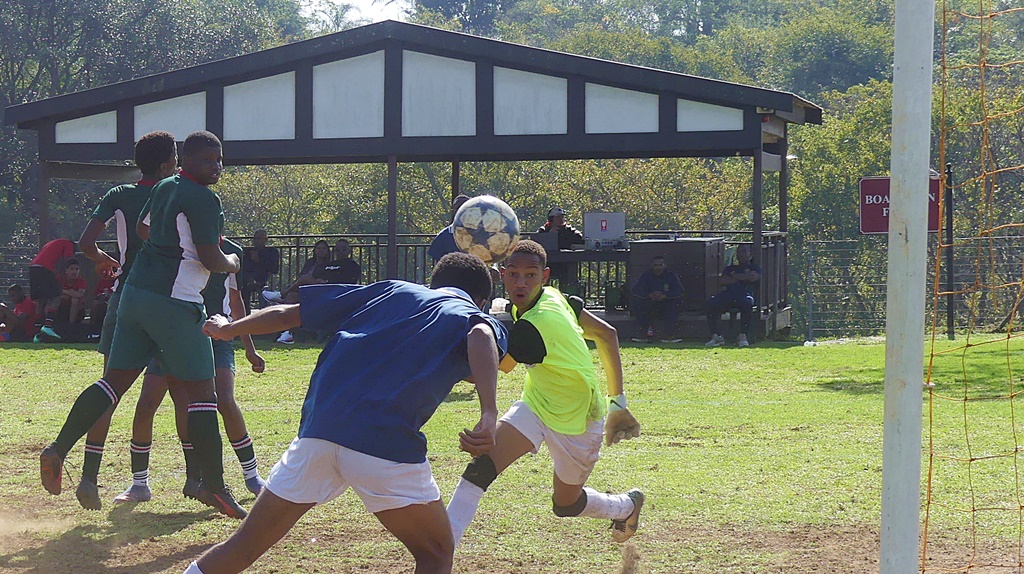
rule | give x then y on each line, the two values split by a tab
765	459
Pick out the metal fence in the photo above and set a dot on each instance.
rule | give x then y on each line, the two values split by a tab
846	286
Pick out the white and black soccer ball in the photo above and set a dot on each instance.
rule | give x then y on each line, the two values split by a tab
487	227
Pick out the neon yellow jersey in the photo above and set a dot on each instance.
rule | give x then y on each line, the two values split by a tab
561	382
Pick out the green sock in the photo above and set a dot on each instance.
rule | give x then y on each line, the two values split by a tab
93	456
204	432
88	408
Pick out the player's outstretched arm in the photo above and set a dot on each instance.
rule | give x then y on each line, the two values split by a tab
483	367
237	313
620	423
262	322
607	340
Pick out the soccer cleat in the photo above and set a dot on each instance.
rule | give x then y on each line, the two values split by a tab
222	500
49	333
742	341
671	340
135	493
286	338
716	341
623	530
255	485
88	494
50	465
273	296
191	489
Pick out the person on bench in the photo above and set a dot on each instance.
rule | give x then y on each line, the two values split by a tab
656	295
738	291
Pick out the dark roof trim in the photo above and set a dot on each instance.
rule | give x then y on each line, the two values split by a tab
374	37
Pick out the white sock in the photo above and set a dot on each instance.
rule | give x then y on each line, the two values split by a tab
462	507
601	505
193	568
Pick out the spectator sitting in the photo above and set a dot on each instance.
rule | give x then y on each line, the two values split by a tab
18	323
340	269
72	294
567	234
259	262
656	295
738	291
321	256
444	241
44	287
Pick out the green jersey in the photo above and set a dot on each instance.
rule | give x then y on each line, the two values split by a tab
218	288
182	214
561	382
123	205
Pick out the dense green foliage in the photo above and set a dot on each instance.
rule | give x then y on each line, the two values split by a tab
836	53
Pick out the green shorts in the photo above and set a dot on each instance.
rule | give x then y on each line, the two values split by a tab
223	358
151	325
109	320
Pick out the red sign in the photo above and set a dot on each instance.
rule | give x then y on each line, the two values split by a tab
874	205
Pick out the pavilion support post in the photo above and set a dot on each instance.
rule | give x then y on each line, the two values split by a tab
784	183
392	250
43	202
757	199
456	176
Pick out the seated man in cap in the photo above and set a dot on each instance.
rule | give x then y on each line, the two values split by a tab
563	273
567	234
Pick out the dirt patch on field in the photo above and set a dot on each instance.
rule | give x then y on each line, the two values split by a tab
135	542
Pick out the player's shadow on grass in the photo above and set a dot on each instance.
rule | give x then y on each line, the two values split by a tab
87	547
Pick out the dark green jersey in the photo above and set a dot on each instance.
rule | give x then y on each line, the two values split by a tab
123	205
182	214
215	296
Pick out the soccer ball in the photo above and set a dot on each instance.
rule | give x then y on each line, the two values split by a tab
487	227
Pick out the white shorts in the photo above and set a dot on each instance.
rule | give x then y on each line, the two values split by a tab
574	456
318	471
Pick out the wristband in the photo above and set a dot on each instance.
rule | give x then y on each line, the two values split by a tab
617	403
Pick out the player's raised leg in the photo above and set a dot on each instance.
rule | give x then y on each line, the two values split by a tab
268	521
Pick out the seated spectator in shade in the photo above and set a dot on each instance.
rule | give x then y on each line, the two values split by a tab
321	256
655	297
72	295
444	241
44	286
567	234
259	262
738	282
341	269
18	321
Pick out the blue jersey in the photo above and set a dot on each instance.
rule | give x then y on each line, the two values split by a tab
443	244
397	351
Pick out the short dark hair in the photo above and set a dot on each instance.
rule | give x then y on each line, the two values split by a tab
197	141
462	271
153	149
14	288
531	247
72	261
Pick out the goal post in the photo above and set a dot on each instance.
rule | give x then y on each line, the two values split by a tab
905	293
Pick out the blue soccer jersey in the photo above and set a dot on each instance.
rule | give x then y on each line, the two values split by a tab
397	351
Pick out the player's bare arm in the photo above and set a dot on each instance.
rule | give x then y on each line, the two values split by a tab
238	313
262	322
216	260
607	340
483	367
105	264
620	424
